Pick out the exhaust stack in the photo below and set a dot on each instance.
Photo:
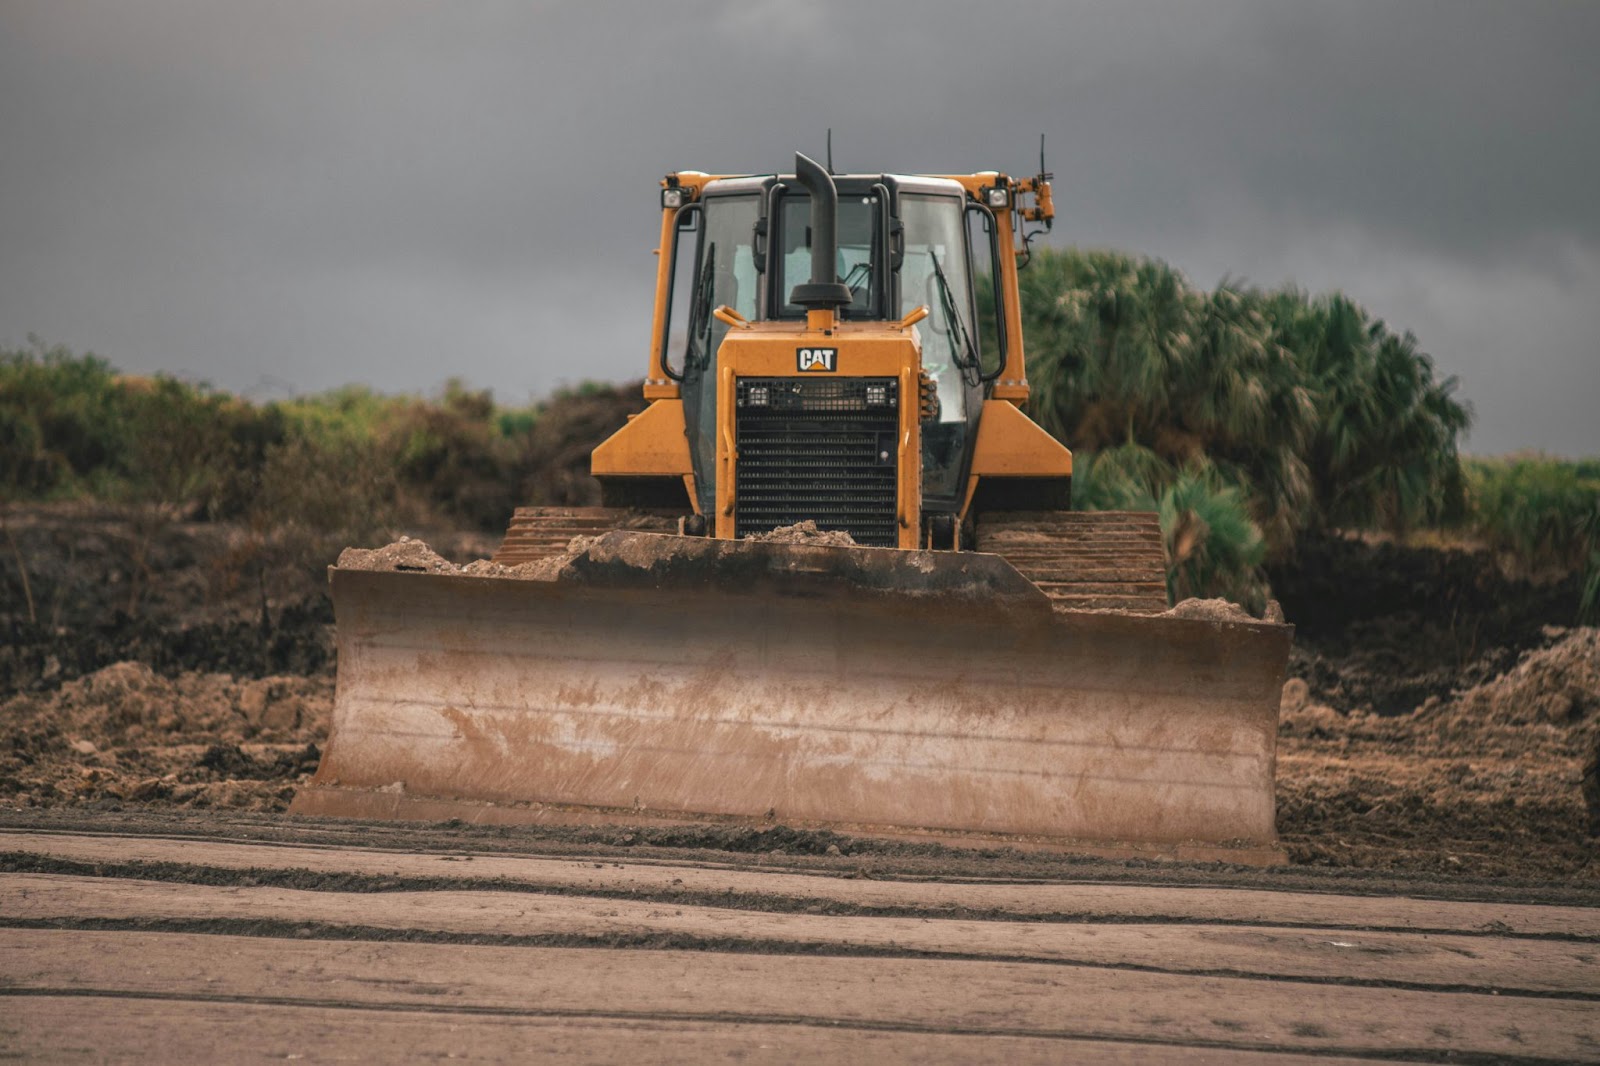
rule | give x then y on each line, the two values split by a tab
824	292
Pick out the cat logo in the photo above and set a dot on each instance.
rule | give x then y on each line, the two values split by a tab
818	360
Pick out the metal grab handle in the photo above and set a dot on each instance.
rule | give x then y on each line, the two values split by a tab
730	453
731	317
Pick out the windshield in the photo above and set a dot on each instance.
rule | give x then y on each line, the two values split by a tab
858	232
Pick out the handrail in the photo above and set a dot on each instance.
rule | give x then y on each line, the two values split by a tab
733	318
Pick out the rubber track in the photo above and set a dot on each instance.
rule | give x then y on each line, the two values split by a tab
1083	560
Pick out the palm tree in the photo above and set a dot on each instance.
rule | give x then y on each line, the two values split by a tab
1312	412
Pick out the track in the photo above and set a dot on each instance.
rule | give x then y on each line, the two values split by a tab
1083	560
285	940
536	532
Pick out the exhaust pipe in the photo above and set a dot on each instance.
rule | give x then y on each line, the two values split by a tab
824	291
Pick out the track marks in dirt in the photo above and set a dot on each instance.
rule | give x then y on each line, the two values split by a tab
1396	960
900	995
605	958
190	1031
207	862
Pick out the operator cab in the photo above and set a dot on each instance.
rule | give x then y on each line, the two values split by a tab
903	243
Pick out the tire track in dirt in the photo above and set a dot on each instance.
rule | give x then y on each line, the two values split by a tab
911	995
634	946
716	885
164	1031
1396	960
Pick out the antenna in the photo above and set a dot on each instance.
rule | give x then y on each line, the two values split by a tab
830	150
1027	237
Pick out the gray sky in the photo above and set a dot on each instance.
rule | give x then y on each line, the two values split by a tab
287	196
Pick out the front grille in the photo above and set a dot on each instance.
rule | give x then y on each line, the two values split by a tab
817	449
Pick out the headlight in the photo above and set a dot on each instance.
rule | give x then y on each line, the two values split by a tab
674	197
757	396
877	395
997	197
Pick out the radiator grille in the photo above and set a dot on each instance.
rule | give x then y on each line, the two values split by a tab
818	449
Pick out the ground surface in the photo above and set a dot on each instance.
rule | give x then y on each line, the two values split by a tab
1439	717
204	936
165	687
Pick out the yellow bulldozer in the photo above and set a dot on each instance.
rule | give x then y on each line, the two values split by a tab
835	581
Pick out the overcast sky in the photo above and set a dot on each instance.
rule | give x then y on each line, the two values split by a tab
286	196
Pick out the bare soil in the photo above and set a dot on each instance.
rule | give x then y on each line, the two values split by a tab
167	934
214	692
1381	626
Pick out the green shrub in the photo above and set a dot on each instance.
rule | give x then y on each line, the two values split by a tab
1213	546
63	429
1317	413
1535	507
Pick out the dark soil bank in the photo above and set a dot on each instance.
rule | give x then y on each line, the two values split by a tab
106	585
1384	626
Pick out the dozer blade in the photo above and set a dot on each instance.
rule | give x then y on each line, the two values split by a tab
935	695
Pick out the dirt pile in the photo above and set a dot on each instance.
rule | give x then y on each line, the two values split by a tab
805	533
404	554
1557	686
408	555
1483	779
126	733
1210	611
1385	626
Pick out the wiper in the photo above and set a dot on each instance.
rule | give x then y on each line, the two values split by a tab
698	355
966	358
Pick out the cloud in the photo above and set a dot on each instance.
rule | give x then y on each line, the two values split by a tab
396	192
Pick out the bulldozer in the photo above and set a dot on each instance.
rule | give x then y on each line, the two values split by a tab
834	581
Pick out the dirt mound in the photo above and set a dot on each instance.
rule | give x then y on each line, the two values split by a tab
805	533
1558	685
1548	704
1387	626
1492	779
126	732
1210	611
404	554
414	556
